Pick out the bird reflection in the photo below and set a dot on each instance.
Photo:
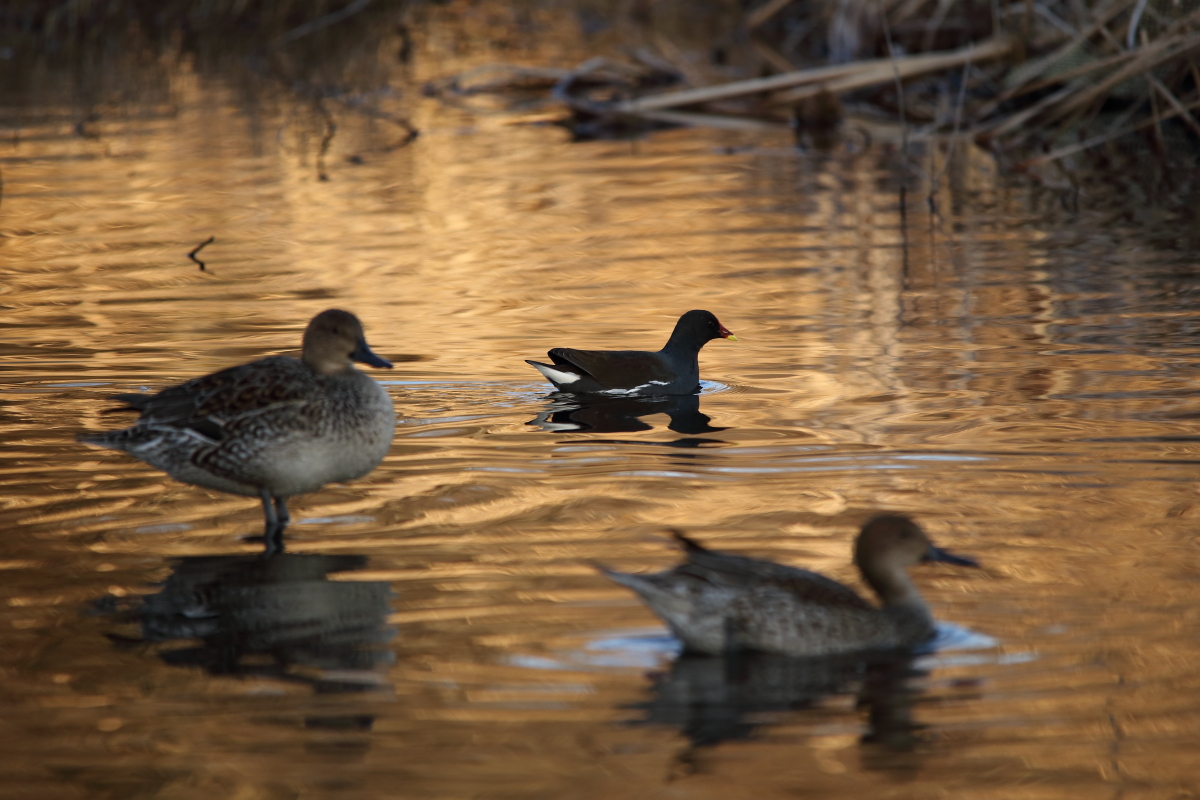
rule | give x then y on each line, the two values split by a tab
714	699
275	615
605	414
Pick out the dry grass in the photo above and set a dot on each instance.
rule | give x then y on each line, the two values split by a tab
1089	71
1036	80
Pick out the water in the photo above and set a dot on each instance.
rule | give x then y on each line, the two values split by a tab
1018	378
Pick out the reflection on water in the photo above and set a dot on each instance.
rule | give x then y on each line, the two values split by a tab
714	699
1021	379
271	615
599	414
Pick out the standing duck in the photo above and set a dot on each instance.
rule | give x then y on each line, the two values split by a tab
716	602
273	428
673	370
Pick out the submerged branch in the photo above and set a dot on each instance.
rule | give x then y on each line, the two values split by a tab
837	78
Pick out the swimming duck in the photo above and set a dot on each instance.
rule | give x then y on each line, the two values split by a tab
716	602
272	428
673	370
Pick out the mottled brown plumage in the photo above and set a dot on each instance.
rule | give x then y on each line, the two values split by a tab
717	602
272	428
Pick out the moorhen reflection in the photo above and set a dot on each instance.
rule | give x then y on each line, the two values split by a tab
273	615
712	700
605	414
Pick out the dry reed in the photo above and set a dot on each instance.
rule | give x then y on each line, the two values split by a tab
1034	79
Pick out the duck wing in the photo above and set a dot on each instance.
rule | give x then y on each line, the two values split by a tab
208	405
723	569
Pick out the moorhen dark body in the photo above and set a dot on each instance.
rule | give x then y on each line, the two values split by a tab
673	370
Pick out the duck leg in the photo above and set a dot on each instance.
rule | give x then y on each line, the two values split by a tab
276	518
272	521
281	513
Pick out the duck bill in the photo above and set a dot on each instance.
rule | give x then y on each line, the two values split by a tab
725	333
363	355
938	554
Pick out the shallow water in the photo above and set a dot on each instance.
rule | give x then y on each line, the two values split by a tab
1017	378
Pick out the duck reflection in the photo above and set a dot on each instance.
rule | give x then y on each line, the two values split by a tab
275	615
715	699
605	414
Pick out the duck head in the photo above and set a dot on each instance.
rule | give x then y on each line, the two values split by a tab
333	339
887	546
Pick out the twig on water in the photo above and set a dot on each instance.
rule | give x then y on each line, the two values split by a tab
326	139
81	127
198	248
358	105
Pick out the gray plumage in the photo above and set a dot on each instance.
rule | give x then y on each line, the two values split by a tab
273	428
716	602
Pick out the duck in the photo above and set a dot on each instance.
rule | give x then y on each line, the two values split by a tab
718	603
273	428
673	370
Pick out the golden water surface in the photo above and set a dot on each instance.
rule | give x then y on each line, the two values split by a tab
1019	379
